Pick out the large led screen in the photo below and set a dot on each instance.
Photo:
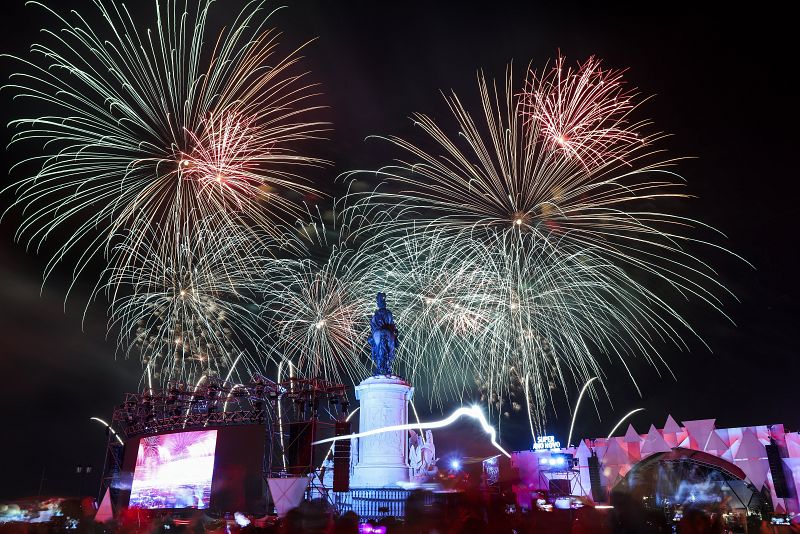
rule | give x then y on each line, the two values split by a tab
174	470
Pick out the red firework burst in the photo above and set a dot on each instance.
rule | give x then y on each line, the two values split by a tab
582	112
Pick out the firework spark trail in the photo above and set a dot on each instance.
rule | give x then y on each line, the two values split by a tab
555	233
440	303
109	428
622	420
156	129
577	406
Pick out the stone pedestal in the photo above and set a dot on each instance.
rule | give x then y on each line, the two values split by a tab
382	458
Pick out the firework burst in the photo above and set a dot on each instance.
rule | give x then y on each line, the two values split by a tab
544	198
195	312
583	112
160	129
319	309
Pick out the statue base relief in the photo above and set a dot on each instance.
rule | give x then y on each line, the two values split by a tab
382	458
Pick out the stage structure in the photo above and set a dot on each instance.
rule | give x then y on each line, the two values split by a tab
261	430
755	469
302	402
184	409
560	475
210	402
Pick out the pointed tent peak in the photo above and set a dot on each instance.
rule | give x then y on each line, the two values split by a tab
631	436
583	450
716	443
105	512
615	454
749	447
779	509
671	427
700	431
654	442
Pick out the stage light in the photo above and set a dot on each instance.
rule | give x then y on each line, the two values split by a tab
455	465
241	519
366	528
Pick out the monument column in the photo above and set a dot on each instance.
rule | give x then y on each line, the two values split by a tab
382	458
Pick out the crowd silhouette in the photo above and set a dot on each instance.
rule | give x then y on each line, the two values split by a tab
470	513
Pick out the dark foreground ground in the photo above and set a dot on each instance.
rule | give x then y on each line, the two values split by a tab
474	514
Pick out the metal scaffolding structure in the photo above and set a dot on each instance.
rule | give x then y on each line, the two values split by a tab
293	413
309	409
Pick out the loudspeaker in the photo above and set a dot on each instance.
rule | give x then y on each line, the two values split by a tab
341	458
299	452
776	468
559	487
598	491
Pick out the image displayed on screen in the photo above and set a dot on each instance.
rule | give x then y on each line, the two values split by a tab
174	470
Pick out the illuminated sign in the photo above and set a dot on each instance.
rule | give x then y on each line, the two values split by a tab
546	443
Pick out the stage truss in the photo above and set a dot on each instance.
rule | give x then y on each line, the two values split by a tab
298	402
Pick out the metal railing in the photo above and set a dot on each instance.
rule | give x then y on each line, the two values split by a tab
375	503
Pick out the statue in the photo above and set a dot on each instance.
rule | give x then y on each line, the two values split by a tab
414	454
429	455
383	338
422	457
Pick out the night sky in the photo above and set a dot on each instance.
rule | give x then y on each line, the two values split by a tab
721	85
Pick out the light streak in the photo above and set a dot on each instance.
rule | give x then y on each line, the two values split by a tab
149	377
351	414
578	405
280	412
528	408
474	411
233	366
624	417
109	427
194	392
416	416
228	397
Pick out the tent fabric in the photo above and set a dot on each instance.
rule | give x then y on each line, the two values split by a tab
287	493
756	471
749	447
671	427
716	443
700	431
583	452
105	512
654	442
631	436
615	455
